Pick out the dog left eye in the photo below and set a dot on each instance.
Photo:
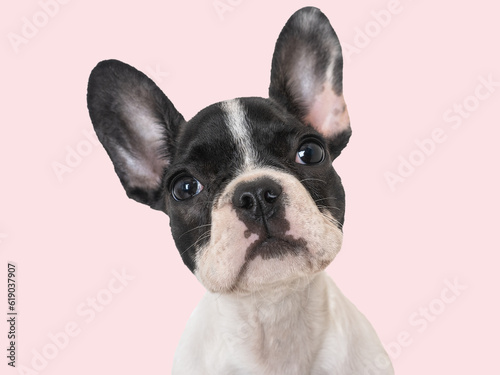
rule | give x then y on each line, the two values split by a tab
185	187
310	153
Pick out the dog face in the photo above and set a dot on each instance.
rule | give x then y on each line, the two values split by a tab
248	183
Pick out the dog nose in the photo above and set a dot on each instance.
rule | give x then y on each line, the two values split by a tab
257	198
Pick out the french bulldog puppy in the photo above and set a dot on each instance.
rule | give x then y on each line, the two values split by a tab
256	208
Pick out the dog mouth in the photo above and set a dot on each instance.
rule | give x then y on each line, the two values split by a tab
272	247
269	247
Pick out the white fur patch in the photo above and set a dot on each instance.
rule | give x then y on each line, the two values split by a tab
306	326
236	122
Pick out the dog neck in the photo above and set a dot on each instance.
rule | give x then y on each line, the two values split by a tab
278	324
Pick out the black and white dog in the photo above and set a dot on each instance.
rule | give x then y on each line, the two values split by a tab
255	206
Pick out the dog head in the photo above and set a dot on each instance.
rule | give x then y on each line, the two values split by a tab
248	183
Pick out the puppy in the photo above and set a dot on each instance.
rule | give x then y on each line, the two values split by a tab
256	208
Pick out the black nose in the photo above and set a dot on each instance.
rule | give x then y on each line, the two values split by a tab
257	199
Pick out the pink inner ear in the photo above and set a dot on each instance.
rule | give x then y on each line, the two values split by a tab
328	113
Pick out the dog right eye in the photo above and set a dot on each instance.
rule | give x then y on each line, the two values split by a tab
310	152
185	187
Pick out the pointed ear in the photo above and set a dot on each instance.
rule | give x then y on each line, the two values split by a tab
137	125
306	76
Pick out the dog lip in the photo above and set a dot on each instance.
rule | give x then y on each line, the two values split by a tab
270	240
275	247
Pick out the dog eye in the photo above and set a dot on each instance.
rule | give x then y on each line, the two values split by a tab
310	152
185	187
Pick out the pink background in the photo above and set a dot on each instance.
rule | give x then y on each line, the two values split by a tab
68	235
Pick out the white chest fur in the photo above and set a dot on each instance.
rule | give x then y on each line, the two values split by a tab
307	328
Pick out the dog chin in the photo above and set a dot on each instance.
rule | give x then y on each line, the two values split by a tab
271	263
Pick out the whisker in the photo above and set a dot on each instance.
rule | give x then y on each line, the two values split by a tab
332	220
324	199
198	227
201	238
313	179
332	207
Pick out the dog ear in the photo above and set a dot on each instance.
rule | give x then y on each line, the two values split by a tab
306	76
137	125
